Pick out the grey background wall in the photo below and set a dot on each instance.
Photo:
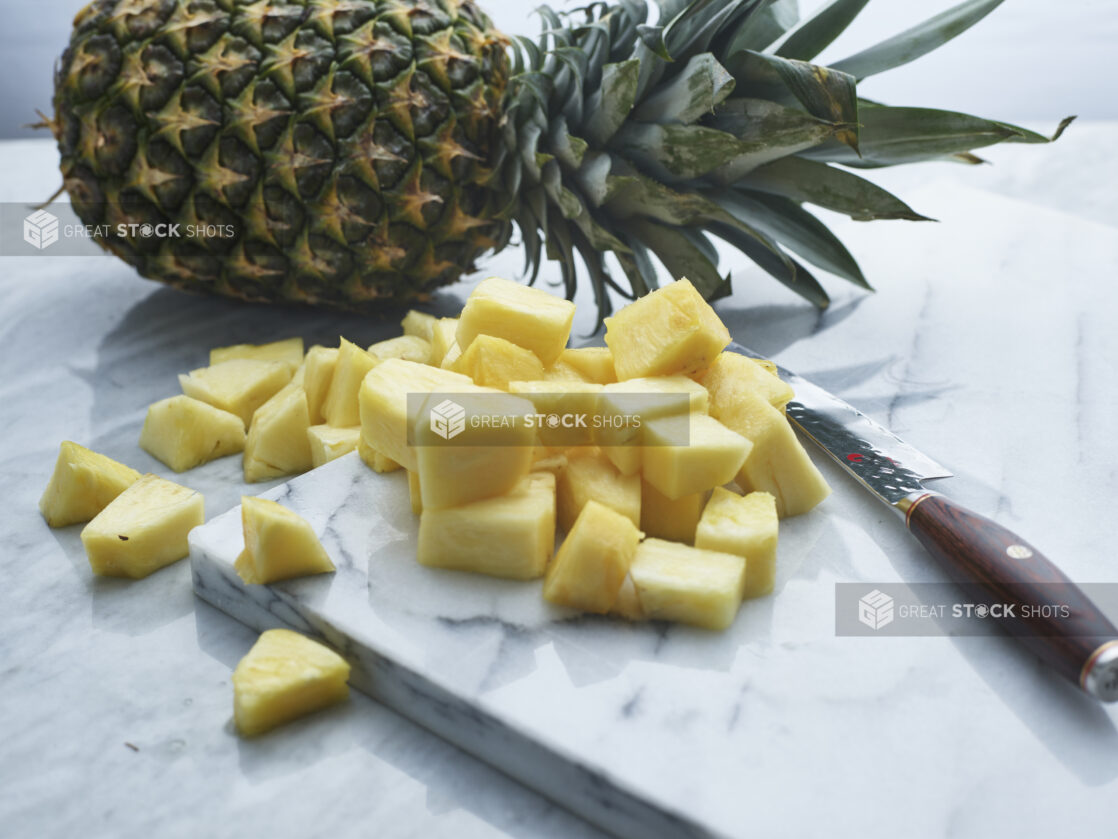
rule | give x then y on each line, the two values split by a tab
1030	60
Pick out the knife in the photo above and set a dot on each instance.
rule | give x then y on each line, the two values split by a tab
1082	644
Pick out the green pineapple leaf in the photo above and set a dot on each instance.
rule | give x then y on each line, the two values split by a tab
818	32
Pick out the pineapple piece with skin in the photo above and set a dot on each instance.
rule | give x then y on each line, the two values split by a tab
82	485
683	455
648	399
384	404
340	407
494	362
589	476
510	536
143	529
284	676
379	463
689	585
277	441
672	330
443	333
239	386
671	519
595	364
591	564
528	317
732	374
777	463
420	324
746	526
289	351
183	432
279	544
318	372
408	347
329	443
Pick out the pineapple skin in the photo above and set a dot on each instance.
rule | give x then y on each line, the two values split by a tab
349	148
84	482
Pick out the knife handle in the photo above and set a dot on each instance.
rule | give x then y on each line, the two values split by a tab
1081	642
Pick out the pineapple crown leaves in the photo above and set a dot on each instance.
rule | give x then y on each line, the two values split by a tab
647	139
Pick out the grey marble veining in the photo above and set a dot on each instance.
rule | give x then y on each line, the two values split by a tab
990	344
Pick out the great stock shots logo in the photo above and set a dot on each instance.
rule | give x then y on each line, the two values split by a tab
448	419
875	610
40	229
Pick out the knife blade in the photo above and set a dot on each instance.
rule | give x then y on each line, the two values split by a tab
974	550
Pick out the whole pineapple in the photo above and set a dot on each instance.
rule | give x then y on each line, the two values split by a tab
352	152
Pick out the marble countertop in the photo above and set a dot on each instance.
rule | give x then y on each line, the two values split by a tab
990	344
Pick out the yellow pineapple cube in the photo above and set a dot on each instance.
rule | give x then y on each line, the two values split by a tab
442	339
289	351
284	676
239	386
341	405
667	518
745	526
414	493
494	362
419	324
690	585
183	432
593	363
279	544
528	317
378	462
688	454
732	374
777	463
384	404
143	529
648	399
277	441
567	400
593	560
409	347
589	476
328	443
83	484
672	330
318	372
509	536
562	372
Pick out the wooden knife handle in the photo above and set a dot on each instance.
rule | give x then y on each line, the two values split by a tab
1050	614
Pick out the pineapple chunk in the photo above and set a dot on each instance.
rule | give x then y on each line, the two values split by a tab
442	339
665	518
562	373
284	676
544	460
494	362
452	357
589	476
289	351
83	484
384	404
593	560
341	406
479	462
414	493
328	443
183	432
562	398
745	527
528	317
679	583
277	439
594	363
509	536
671	330
709	456
777	463
649	399
419	324
379	463
627	605
239	386
279	544
143	528
732	374
408	347
318	372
